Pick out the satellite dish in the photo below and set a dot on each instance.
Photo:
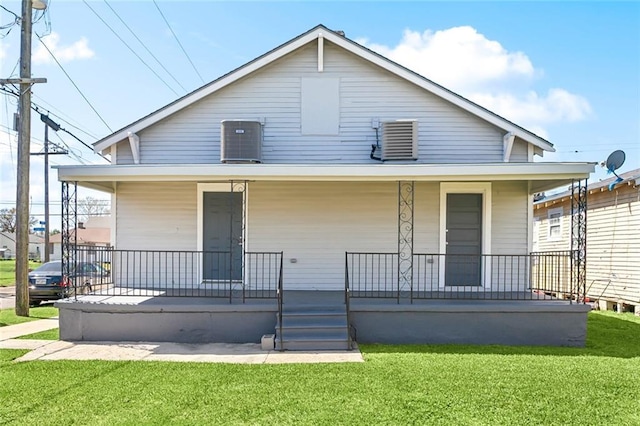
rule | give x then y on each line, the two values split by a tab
614	161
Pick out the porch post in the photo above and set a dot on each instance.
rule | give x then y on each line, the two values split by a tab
237	186
69	241
405	237
579	238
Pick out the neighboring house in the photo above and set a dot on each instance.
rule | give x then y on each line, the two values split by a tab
322	168
613	238
95	237
8	246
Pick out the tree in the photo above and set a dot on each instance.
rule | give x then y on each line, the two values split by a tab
8	220
89	206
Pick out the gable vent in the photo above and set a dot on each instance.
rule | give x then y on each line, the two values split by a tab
400	140
240	141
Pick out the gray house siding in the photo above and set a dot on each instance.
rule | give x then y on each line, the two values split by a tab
447	134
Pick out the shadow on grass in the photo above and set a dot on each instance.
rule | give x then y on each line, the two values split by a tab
608	334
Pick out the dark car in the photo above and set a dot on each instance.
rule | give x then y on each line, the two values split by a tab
47	282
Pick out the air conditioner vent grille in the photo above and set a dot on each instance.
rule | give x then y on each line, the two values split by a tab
400	140
240	141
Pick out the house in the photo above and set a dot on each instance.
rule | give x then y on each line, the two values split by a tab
95	232
613	238
324	193
8	246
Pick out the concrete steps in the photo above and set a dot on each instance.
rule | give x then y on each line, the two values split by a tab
308	327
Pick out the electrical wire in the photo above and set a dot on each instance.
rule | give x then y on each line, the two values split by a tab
62	116
13	13
35	108
130	48
73	82
180	44
145	46
9	27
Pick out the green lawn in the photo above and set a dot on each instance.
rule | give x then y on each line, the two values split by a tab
8	271
453	385
53	334
9	317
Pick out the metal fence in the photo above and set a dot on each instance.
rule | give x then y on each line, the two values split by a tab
536	276
181	273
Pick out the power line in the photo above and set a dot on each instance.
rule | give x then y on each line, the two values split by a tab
145	46
62	116
72	82
129	47
180	44
36	108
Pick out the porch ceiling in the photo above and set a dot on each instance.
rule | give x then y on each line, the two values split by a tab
542	176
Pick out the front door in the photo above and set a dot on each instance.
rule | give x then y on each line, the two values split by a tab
464	240
222	234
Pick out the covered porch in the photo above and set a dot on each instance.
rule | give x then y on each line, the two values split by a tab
386	267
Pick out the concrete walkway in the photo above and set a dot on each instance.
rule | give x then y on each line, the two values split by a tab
249	353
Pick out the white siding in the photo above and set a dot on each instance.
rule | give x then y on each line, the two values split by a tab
613	245
313	223
519	152
447	134
156	216
316	223
613	242
509	218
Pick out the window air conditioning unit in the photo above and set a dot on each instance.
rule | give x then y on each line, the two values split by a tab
400	140
240	141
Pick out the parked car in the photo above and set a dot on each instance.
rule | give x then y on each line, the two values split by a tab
48	283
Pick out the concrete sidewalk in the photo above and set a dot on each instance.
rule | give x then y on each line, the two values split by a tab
249	353
17	330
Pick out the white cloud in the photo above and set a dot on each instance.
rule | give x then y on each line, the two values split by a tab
557	105
64	53
467	62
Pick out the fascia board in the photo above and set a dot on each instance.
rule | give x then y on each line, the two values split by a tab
311	172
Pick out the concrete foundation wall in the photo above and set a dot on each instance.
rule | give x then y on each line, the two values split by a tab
200	324
483	324
467	322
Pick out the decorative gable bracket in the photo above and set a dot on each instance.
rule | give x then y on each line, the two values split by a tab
507	142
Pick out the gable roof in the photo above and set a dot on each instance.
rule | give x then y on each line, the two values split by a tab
338	39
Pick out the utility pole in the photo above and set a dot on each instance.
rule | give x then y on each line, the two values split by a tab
58	150
24	140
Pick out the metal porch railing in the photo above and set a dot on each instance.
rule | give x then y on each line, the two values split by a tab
114	272
534	276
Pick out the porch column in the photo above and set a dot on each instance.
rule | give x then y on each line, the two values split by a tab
69	241
405	237
579	238
234	244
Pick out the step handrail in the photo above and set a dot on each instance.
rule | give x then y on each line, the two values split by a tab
280	297
347	300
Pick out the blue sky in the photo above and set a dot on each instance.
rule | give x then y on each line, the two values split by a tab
569	71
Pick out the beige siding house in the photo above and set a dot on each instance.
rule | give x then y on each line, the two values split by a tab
361	177
613	238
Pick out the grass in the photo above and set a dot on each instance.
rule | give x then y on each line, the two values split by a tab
415	384
8	271
9	317
53	334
